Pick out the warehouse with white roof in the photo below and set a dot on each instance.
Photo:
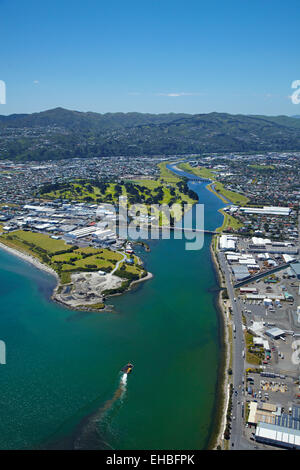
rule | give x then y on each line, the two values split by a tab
267	210
227	243
278	435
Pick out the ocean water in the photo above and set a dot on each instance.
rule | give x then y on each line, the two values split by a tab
62	386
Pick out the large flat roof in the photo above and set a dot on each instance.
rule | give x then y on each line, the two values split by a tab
290	421
279	434
251	296
271	210
275	332
296	268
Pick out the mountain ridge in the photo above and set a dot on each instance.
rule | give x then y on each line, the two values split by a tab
62	133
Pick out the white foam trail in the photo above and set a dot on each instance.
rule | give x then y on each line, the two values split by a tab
123	385
124	379
88	433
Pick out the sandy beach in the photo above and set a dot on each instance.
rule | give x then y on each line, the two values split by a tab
30	259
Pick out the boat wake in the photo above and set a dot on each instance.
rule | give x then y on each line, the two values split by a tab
91	430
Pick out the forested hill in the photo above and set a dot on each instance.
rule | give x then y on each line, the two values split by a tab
61	133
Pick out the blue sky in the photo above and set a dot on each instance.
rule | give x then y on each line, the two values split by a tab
194	56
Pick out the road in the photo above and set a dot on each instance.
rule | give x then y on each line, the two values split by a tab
238	361
124	256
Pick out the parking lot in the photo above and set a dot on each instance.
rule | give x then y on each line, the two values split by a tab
278	390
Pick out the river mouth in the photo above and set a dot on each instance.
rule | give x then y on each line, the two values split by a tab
60	372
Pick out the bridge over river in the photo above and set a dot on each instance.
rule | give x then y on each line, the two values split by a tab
171	227
198	179
183	229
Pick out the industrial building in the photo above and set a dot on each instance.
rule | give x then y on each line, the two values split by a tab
262	413
275	333
296	268
227	243
288	258
104	235
263	245
261	241
277	435
274	427
257	328
291	421
262	342
254	296
82	232
248	290
240	272
267	210
40	209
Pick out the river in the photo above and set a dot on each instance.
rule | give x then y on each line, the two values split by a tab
62	387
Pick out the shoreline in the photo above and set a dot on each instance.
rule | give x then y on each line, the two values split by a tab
43	267
217	438
136	281
219	422
142	279
223	393
30	259
220	196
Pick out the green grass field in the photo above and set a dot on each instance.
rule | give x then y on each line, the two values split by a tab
66	257
167	180
150	184
66	260
166	175
132	268
229	222
87	258
103	252
219	189
84	191
42	241
232	196
92	263
73	259
202	172
168	189
163	190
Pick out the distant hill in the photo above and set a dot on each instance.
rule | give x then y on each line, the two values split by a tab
61	133
76	120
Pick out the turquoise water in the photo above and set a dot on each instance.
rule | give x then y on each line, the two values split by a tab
61	384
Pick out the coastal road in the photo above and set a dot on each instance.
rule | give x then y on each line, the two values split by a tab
238	360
